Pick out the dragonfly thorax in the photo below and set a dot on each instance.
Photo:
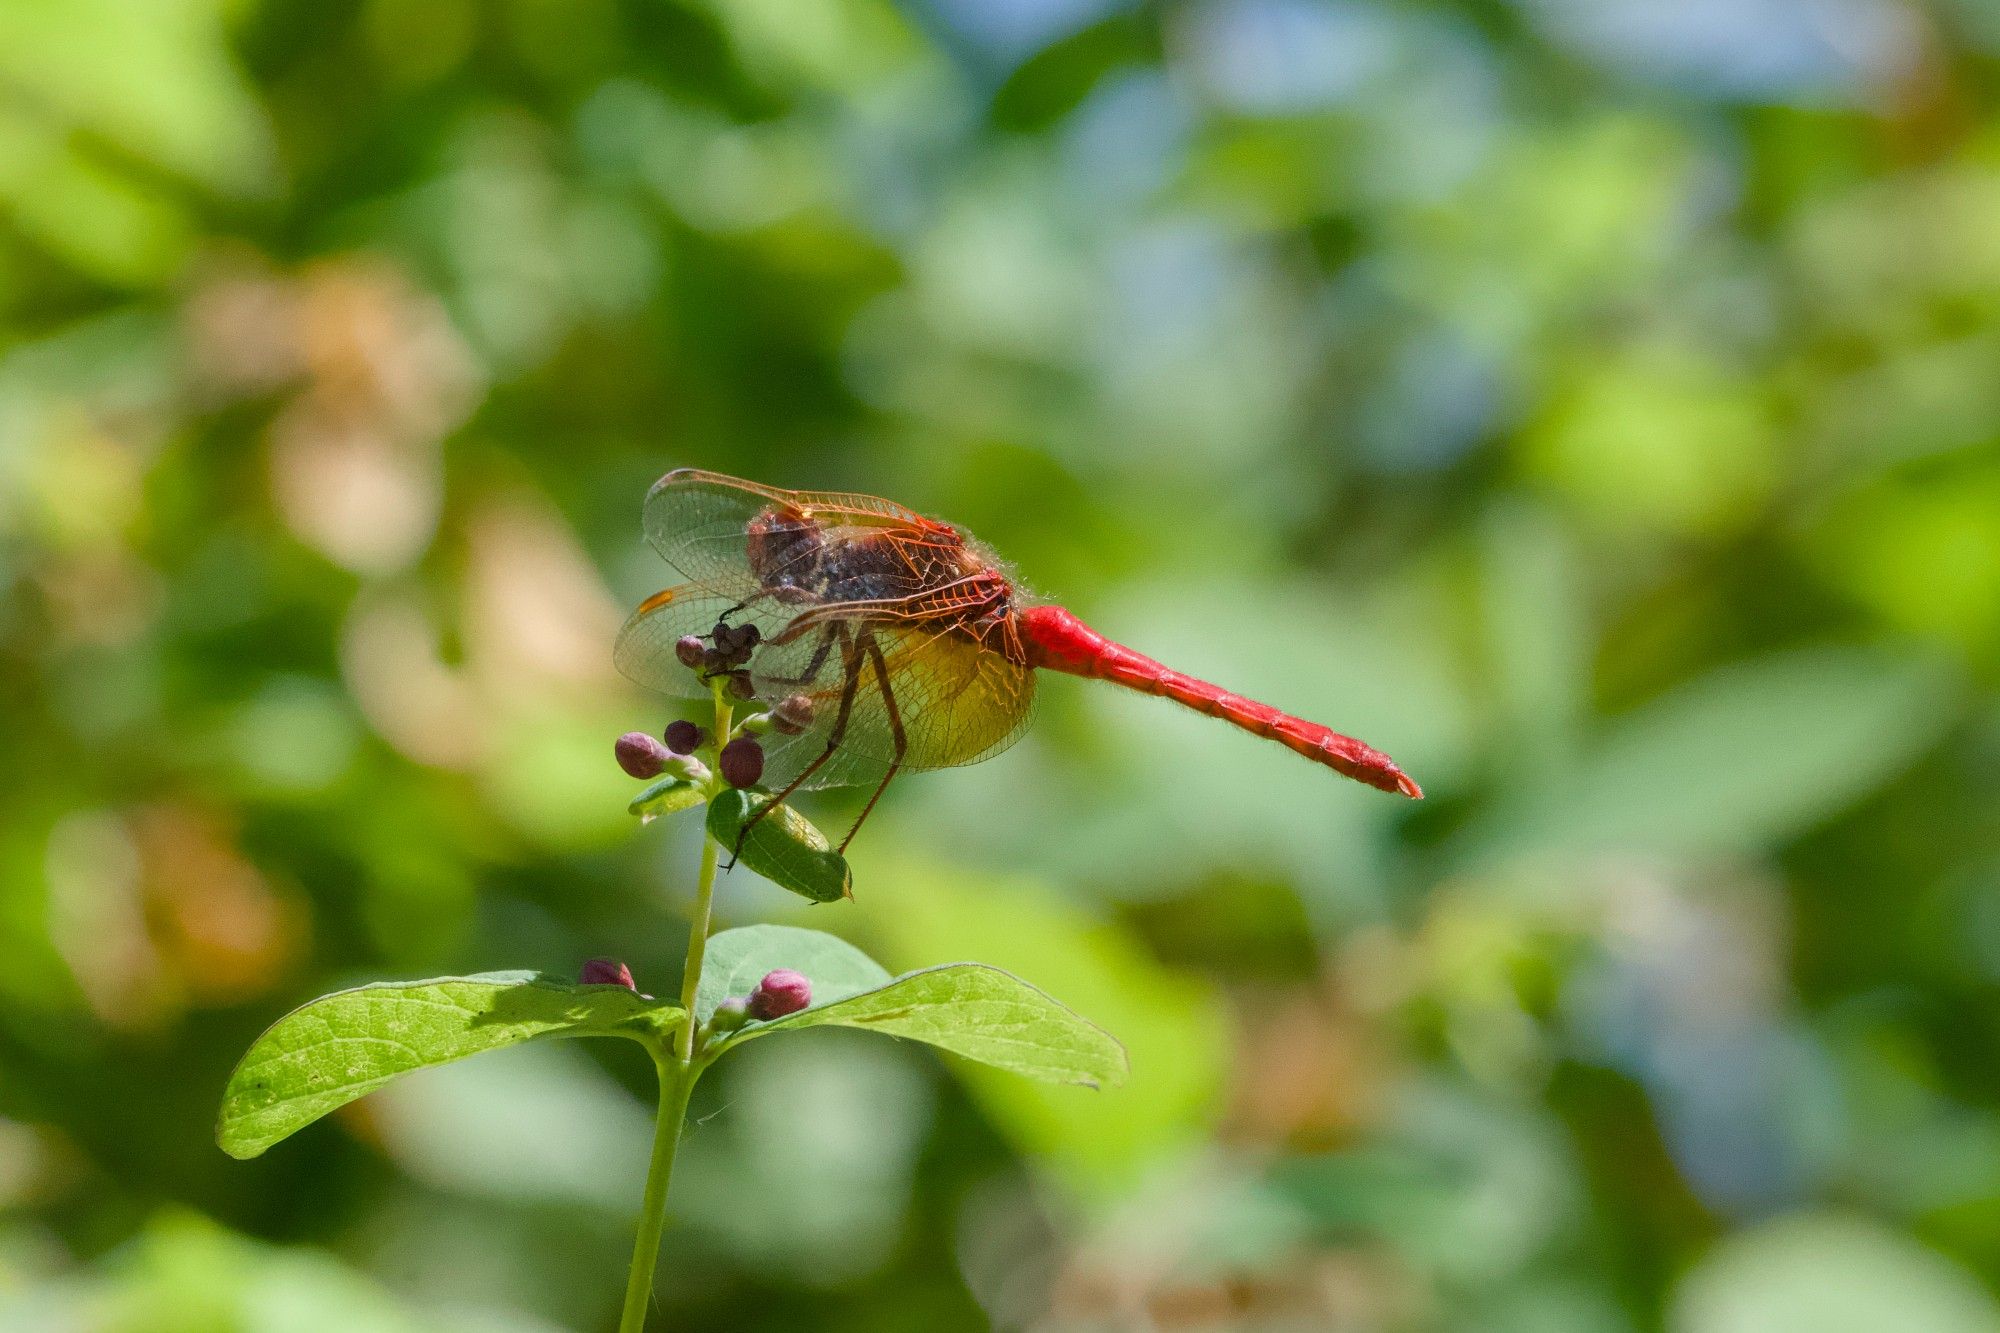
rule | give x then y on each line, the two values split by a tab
930	575
784	549
874	570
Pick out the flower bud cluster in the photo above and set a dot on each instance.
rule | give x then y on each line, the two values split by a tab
733	645
725	651
643	756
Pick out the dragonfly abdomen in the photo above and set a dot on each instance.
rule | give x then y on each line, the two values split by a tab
1057	640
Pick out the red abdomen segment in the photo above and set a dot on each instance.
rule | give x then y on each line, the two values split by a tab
1057	640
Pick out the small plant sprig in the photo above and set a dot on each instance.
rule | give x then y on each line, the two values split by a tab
738	986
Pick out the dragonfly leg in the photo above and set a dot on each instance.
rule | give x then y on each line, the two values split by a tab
821	651
743	605
850	663
897	736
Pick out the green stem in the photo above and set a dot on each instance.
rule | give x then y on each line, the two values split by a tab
678	1072
676	1082
697	949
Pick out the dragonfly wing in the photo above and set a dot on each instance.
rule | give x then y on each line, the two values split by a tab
960	702
956	701
699	521
645	648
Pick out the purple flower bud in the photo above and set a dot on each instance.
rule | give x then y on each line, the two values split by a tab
742	762
607	972
779	993
730	1015
691	650
684	737
641	755
741	685
792	714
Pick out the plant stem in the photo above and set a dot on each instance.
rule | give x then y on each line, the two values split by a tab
678	1072
697	948
704	894
676	1082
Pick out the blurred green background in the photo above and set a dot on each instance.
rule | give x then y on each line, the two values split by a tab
1591	402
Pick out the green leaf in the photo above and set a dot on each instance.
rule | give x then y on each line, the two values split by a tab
978	1012
783	846
665	797
345	1045
738	959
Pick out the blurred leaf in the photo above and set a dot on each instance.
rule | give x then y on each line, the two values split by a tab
113	225
738	959
1822	1273
842	46
1657	439
665	797
343	1046
1469	1188
1051	83
156	79
784	846
979	1012
1535	635
1922	550
187	1274
1740	758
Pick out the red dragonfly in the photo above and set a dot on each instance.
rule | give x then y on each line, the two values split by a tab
885	642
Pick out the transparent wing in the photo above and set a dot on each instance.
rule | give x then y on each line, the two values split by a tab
698	521
645	648
956	701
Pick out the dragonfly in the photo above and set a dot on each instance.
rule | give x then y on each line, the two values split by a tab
885	642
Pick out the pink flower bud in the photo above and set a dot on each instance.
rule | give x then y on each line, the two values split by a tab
742	762
683	737
641	755
779	993
691	650
607	972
